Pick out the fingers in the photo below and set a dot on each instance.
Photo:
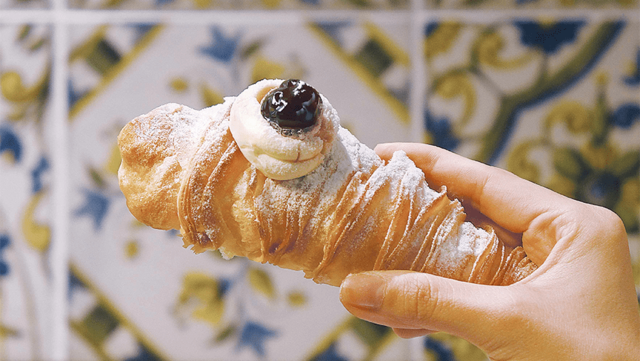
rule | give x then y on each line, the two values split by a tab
418	303
412	333
481	221
510	201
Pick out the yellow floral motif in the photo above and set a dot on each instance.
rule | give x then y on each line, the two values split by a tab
112	3
271	4
602	78
427	137
6	331
296	298
629	202
179	84
490	44
547	21
131	249
261	282
568	162
519	163
631	67
599	157
454	85
36	234
202	4
264	68
209	96
22	96
14	90
113	162
442	39
574	115
631	192
205	291
626	2
563	185
8	157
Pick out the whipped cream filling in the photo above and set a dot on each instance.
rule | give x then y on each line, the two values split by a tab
279	156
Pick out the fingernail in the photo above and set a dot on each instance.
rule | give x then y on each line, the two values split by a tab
363	290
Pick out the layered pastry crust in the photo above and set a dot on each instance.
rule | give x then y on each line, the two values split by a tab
353	212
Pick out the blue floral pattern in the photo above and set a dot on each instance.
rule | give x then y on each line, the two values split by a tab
548	38
254	335
440	350
5	242
222	47
10	143
37	174
441	130
633	79
626	115
95	206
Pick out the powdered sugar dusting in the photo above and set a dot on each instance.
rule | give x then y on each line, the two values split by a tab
190	127
352	190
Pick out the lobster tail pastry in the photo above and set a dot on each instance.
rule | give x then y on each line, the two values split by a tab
256	178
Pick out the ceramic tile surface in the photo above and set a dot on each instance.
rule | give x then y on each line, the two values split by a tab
553	98
24	4
530	4
25	189
137	286
242	4
555	102
558	110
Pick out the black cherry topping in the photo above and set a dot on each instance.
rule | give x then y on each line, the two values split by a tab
291	107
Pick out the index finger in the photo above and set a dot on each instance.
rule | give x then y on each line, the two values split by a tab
510	201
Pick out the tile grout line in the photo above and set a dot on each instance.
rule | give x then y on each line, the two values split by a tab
417	103
203	17
61	206
417	93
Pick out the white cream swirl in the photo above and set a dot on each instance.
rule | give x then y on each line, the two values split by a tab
278	156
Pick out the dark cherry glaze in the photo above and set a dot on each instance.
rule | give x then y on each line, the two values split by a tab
292	107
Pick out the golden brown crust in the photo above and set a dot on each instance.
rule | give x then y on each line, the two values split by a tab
149	169
354	213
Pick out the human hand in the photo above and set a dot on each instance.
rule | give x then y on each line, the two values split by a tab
580	304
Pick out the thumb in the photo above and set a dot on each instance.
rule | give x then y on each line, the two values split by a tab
411	300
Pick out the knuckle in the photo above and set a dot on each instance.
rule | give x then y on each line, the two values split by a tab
426	302
415	298
605	223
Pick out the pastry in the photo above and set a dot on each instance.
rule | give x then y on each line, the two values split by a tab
272	176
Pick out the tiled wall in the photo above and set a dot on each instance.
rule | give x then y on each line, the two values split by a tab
549	89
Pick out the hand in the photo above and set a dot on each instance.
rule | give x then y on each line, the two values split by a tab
579	305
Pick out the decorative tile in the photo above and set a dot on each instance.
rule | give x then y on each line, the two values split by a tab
24	4
442	346
556	102
135	291
530	4
242	4
25	188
